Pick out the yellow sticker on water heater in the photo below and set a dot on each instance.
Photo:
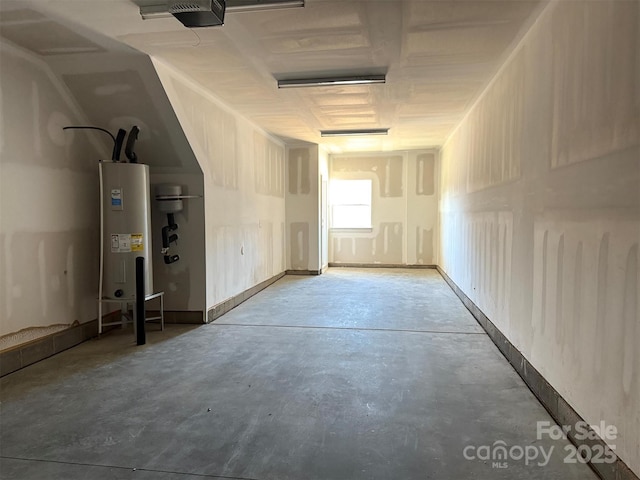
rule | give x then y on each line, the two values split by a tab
137	244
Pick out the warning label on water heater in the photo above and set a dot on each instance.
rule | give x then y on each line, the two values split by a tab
126	242
136	242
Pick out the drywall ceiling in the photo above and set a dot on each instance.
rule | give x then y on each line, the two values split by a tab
114	85
437	55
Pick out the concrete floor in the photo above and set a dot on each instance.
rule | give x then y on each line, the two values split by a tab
356	374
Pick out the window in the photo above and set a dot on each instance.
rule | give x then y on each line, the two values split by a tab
350	203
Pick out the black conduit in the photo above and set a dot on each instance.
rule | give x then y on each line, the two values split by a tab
141	337
114	153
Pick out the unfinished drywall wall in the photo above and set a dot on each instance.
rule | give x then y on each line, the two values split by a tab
49	217
303	208
540	210
404	208
243	189
117	87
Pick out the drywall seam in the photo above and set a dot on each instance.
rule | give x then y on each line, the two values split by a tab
545	8
56	288
406	189
302	207
561	410
228	229
401	217
579	63
207	94
65	94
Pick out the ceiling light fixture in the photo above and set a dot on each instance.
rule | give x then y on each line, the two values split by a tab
354	133
239	6
151	12
332	81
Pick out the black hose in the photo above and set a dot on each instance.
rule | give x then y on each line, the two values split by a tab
86	127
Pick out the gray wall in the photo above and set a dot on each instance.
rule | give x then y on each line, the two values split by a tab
182	281
49	203
303	208
540	208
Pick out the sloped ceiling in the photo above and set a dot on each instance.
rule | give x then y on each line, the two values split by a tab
115	85
438	56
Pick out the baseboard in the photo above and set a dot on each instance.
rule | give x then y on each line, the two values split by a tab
20	356
189	317
303	272
223	307
381	265
552	401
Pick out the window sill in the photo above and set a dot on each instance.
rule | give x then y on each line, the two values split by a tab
351	230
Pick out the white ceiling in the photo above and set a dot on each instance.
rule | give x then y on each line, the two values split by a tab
438	56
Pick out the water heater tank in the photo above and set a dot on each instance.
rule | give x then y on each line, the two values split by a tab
126	228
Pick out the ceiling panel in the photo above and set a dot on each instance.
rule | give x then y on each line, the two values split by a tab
33	31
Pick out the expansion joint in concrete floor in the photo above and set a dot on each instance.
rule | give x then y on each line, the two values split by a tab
365	375
390	330
126	469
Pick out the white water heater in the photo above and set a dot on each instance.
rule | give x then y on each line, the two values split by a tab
126	228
